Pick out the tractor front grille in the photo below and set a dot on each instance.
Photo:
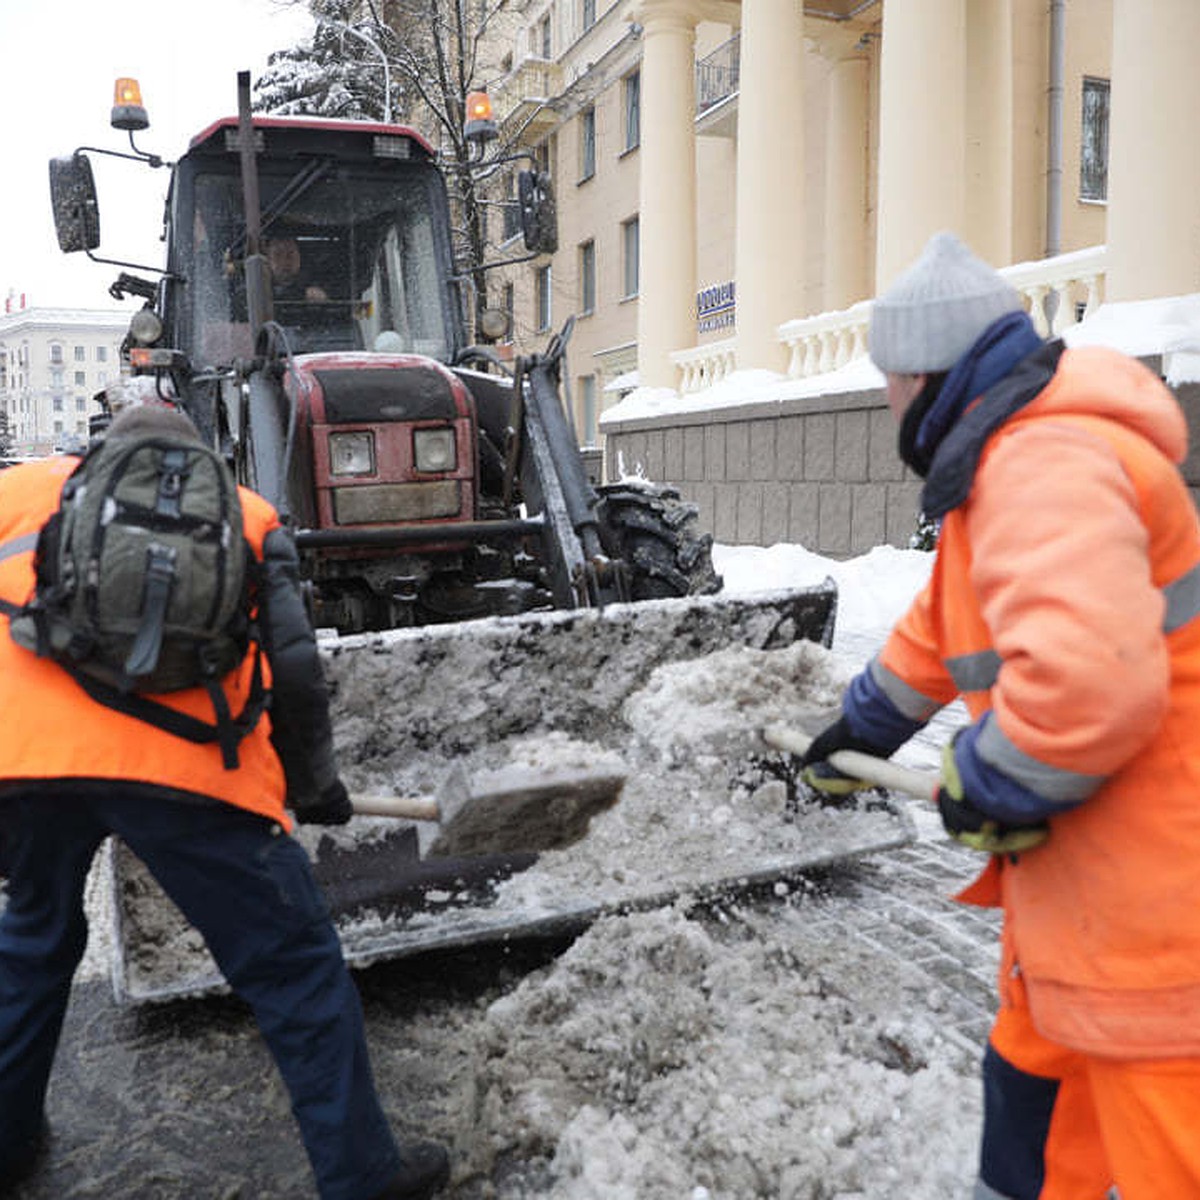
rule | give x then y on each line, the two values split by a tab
388	503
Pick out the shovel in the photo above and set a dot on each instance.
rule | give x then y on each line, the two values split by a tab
519	809
881	772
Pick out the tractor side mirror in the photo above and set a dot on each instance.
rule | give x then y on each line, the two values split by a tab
73	199
539	214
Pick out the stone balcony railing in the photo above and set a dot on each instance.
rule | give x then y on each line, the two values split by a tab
520	97
1059	292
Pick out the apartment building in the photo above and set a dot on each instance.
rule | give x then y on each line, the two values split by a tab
722	169
53	361
571	95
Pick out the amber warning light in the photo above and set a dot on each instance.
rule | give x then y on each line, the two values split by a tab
480	125
479	106
128	111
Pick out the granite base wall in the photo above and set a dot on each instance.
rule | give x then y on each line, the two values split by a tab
822	471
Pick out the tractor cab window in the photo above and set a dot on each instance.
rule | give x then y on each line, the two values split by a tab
354	263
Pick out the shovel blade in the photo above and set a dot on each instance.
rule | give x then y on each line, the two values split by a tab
518	809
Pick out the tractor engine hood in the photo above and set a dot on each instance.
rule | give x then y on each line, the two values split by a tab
391	440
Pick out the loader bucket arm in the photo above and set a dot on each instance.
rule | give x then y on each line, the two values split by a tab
581	575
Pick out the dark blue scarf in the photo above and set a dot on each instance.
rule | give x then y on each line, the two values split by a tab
995	353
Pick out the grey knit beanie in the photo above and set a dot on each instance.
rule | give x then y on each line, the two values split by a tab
934	312
151	420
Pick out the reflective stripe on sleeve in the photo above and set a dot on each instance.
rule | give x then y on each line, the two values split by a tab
1055	785
916	706
974	672
1183	600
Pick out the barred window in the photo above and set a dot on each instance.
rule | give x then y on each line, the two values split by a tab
544	314
629	238
587	277
587	144
633	110
1093	149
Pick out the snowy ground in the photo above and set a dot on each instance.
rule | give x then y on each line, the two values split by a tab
814	1040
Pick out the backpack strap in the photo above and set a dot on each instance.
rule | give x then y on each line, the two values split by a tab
160	578
226	730
10	549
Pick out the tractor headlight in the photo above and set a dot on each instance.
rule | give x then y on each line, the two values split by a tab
433	449
352	453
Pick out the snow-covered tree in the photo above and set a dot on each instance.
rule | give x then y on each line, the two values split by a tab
332	75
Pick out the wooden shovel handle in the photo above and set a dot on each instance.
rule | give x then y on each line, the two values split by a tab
410	808
880	771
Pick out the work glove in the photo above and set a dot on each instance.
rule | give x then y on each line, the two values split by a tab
333	807
971	826
827	780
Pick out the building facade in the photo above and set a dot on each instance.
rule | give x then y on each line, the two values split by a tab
723	168
53	361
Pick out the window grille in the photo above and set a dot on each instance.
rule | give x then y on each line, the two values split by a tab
1093	148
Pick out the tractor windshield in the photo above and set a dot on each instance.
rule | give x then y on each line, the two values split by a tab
355	263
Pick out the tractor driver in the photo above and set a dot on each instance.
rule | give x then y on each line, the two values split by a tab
285	260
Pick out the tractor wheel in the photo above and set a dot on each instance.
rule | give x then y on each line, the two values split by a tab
655	533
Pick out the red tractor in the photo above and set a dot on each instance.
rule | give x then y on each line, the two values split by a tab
310	320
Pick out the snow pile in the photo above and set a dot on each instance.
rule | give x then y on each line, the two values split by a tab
691	1059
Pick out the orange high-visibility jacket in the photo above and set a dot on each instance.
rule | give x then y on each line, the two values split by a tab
50	728
1064	599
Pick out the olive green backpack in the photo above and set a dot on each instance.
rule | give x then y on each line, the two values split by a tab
143	583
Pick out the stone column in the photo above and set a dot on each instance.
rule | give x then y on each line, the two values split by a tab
922	130
667	205
769	244
1154	151
847	264
989	112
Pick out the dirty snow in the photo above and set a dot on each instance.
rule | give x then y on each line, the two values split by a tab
728	1050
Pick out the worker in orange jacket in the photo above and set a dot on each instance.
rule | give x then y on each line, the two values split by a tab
1064	609
73	771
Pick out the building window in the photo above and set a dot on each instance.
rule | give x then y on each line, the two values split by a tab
544	310
56	377
80	378
633	110
57	404
587	277
56	354
102	354
510	309
587	404
512	209
80	404
589	13
81	354
544	36
1093	149
587	144
629	245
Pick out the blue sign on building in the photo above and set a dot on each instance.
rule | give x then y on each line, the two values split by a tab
715	307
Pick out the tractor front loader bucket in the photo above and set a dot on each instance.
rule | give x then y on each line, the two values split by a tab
549	695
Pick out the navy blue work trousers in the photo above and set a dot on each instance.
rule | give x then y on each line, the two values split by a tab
248	888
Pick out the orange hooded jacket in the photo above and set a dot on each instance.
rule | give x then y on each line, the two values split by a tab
1064	601
52	729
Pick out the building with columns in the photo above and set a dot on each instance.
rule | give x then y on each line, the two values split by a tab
725	168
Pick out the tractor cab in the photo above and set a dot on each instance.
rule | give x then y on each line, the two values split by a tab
354	232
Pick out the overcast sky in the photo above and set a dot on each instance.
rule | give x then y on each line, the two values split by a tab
61	58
